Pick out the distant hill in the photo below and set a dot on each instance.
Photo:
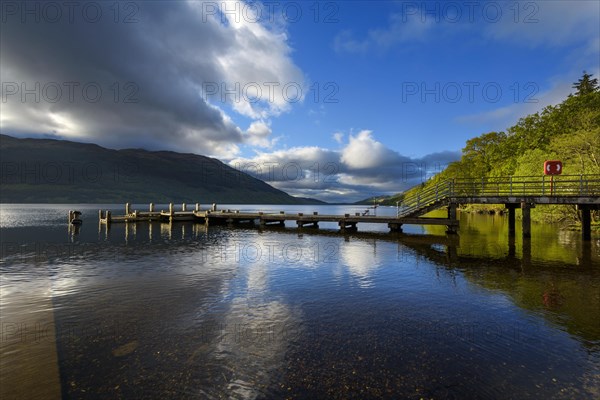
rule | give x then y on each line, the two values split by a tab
59	171
382	200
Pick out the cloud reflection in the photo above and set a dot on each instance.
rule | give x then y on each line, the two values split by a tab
361	261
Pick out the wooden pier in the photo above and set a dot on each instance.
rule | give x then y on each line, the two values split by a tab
582	191
346	222
524	192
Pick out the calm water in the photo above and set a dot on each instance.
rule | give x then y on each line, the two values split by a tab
182	311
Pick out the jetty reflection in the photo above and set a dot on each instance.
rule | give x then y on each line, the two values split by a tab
516	267
438	247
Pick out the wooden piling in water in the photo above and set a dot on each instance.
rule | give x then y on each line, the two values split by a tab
586	222
347	226
526	219
511	218
451	229
395	227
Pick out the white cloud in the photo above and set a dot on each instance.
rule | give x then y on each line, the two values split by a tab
258	134
399	30
362	168
542	23
503	117
156	77
553	23
365	152
338	137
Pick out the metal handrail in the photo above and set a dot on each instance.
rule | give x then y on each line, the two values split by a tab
560	185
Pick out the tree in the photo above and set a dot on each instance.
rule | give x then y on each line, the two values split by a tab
586	84
580	151
483	152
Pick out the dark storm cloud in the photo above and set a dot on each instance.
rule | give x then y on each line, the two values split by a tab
150	70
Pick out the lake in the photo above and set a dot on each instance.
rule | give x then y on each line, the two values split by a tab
182	310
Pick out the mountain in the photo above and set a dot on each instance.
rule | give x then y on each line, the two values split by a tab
382	200
59	171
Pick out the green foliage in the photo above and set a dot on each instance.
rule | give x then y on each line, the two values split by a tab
532	161
483	152
580	149
569	132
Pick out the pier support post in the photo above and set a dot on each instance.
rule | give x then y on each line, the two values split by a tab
395	227
347	226
526	256
526	220
511	218
586	221
451	229
197	207
183	207
151	207
452	253
127	208
512	247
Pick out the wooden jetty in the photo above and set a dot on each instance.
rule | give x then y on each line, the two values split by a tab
213	216
524	192
582	191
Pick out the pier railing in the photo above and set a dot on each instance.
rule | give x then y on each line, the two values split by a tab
494	187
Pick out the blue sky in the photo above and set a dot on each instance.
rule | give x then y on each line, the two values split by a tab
380	94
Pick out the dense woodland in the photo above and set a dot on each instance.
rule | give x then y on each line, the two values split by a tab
569	131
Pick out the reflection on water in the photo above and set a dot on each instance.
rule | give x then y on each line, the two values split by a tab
359	259
181	310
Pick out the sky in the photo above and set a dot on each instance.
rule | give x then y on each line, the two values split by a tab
333	100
